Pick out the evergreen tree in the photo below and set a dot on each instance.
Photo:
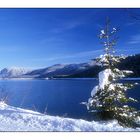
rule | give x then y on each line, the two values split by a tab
109	97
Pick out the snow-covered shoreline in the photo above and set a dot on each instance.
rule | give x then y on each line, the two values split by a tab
17	119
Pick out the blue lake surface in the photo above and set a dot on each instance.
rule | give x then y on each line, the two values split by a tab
55	97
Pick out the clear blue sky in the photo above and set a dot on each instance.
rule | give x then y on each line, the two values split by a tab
36	38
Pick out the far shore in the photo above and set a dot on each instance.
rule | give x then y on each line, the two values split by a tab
138	78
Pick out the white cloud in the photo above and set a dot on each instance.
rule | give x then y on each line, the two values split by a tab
9	49
85	54
68	25
75	55
51	40
135	39
131	23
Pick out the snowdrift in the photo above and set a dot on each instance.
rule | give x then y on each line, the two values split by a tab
17	119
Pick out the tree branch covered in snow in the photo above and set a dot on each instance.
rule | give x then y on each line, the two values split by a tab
110	95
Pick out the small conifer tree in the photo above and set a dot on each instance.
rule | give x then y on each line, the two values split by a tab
109	97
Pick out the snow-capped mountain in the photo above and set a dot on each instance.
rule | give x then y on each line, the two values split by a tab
60	70
13	72
89	69
52	71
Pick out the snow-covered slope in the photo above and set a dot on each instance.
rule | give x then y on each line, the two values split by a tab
60	70
13	72
55	70
16	119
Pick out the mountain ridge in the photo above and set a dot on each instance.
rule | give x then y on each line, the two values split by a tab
77	70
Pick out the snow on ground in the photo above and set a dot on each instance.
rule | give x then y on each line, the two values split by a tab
17	119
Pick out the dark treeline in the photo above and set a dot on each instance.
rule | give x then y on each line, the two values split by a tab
129	63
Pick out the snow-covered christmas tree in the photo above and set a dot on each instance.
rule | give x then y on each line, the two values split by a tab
109	97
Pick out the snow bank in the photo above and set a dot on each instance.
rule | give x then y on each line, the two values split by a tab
16	119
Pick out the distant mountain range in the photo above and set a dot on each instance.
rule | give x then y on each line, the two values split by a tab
82	70
13	72
49	72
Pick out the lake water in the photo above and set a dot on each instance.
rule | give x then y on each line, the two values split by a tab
55	97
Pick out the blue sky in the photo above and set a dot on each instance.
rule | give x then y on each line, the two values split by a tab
36	38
